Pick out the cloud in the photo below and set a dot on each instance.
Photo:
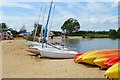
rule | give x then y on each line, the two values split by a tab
71	4
64	12
61	0
115	4
16	4
17	22
1	13
96	7
99	23
88	21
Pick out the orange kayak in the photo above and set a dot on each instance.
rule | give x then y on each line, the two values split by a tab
111	61
100	60
89	58
77	55
79	59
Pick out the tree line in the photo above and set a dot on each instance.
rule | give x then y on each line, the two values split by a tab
4	27
71	27
112	33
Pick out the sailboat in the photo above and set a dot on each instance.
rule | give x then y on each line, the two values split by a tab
54	51
35	46
33	43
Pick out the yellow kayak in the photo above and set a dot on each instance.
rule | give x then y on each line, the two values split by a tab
113	71
89	58
79	59
100	60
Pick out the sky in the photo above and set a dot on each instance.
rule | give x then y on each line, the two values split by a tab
95	16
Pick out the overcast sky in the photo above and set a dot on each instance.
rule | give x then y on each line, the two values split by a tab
96	16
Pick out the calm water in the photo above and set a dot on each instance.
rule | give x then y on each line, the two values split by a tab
84	45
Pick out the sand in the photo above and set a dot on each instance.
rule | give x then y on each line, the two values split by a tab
0	59
17	63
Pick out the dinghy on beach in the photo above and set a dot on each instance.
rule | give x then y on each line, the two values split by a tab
52	51
35	49
31	43
55	53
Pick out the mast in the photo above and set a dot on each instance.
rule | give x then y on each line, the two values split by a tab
41	32
37	24
46	26
48	32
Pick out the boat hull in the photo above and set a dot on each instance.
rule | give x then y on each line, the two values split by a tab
92	56
53	53
31	43
79	59
111	61
33	51
77	55
113	71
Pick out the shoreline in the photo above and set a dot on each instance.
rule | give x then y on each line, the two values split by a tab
70	37
18	64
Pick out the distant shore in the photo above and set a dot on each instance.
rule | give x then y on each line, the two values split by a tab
69	37
17	63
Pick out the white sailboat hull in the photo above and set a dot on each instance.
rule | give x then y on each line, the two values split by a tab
54	53
31	43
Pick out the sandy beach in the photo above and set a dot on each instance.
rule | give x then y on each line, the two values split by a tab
0	60
17	63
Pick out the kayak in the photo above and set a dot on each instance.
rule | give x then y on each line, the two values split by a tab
113	71
77	55
107	61
111	61
79	59
100	60
91	57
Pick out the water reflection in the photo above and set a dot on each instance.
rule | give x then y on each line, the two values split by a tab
83	45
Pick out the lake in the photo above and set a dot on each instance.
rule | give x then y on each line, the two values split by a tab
84	45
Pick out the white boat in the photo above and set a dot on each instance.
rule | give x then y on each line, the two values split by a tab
36	48
31	43
55	53
39	47
52	51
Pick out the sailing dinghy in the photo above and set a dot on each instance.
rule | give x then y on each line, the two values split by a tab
54	51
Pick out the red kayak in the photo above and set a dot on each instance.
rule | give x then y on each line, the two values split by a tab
77	55
111	61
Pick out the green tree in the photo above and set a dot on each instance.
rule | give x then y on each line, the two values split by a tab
14	32
113	33
39	26
71	25
23	29
0	25
3	26
118	31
